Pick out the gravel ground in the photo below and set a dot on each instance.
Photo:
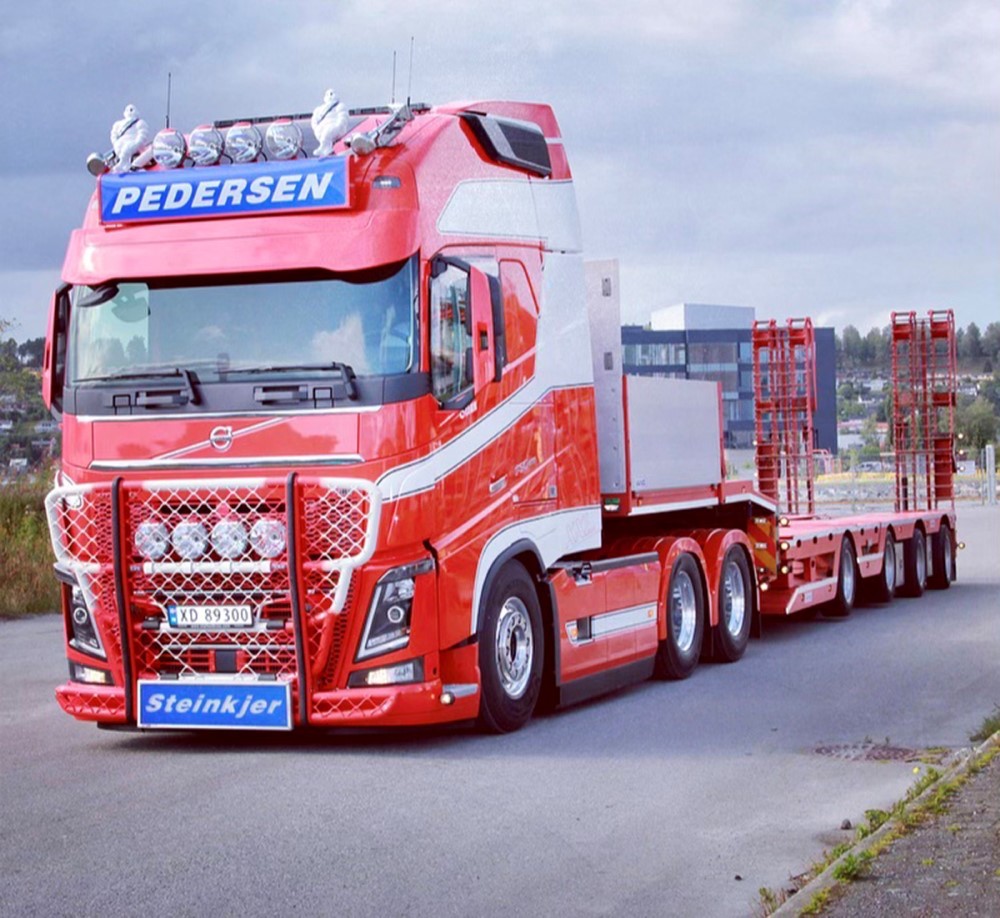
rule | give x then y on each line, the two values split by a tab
948	865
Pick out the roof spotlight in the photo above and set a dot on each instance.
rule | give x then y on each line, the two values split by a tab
283	139
206	145
243	143
169	148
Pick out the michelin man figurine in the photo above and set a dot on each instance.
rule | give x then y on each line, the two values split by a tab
130	140
329	123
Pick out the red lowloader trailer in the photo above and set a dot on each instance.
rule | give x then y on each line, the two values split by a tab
346	442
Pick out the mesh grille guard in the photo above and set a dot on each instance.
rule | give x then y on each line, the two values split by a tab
297	597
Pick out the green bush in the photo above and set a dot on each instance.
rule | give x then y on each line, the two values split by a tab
27	584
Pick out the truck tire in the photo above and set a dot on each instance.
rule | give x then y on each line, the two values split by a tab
511	651
884	585
847	582
735	607
677	655
915	565
943	550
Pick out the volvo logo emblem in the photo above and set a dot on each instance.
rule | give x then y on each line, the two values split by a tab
221	438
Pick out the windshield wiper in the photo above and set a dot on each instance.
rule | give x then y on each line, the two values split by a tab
344	369
181	372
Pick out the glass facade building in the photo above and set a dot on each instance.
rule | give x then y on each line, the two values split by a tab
725	355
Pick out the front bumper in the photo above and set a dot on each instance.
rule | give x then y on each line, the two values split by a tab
389	706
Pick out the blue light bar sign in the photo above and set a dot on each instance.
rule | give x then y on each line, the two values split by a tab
215	191
215	705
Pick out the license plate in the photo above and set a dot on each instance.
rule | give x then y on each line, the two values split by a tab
214	705
221	617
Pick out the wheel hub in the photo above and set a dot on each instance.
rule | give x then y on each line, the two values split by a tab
514	647
734	599
889	566
683	611
847	575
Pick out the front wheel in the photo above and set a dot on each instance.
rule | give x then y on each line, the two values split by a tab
511	651
735	607
847	581
915	565
677	655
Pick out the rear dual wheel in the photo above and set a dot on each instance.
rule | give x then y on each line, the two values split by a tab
735	607
677	655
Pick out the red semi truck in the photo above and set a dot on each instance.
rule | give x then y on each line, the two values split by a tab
346	441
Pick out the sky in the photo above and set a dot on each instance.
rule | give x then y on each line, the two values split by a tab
838	160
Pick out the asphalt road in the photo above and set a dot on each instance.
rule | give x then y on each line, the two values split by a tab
666	799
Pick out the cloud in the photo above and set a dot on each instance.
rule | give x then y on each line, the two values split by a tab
720	148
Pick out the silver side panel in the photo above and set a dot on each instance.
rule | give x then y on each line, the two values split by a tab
673	433
604	308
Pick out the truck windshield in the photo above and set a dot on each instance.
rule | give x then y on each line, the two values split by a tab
220	330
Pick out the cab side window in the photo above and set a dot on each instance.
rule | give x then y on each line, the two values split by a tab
451	334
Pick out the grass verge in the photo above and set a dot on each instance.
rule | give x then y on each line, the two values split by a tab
989	726
928	797
27	586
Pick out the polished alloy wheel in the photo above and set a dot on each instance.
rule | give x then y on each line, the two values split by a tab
683	611
734	599
514	647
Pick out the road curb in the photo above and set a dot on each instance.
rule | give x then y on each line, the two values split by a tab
826	879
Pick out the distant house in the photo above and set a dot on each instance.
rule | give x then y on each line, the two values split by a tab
6	426
46	427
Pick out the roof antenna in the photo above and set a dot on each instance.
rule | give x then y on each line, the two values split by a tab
409	79
168	100
393	101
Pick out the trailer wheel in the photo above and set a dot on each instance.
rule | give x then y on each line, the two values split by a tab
511	651
943	549
735	607
915	564
847	582
678	653
884	586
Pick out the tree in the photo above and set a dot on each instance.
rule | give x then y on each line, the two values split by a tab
871	443
972	346
977	424
991	342
8	356
876	349
990	390
32	352
853	347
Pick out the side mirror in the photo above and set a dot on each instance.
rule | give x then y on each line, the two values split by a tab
54	359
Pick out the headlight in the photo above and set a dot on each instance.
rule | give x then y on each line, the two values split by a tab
152	540
85	637
268	538
399	674
190	540
80	673
229	538
388	624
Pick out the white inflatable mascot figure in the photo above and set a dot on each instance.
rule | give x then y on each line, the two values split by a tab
130	140
329	123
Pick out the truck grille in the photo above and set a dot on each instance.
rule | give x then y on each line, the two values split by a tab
220	545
